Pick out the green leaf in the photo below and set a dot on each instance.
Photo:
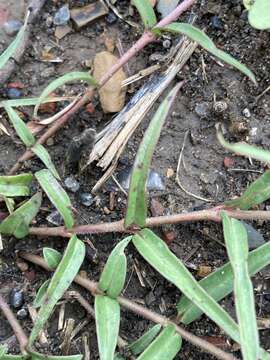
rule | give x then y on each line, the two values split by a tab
237	247
41	294
3	350
21	129
165	346
10	204
14	357
255	194
62	278
146	12
44	156
245	149
38	356
137	207
69	77
204	41
112	279
10	51
18	222
219	283
33	101
52	257
259	14
158	255
57	195
17	185
145	340
107	312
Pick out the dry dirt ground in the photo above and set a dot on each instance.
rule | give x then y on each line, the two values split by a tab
203	172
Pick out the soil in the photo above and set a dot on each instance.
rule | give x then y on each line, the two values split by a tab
203	172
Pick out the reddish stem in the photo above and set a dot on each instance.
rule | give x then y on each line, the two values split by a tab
118	226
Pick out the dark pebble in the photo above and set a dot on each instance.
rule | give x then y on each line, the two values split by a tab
22	314
16	298
86	199
255	239
13	93
216	23
267	297
55	218
111	18
11	27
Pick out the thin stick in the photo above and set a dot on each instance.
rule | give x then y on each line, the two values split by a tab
13	322
140	310
145	39
178	173
118	226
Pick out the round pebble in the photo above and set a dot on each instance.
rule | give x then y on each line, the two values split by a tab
72	184
16	298
86	199
216	23
13	93
167	44
22	314
111	18
62	16
12	27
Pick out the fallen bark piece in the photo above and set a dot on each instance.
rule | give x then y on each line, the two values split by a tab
86	14
112	95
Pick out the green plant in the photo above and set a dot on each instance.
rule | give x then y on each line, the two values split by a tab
258	13
198	297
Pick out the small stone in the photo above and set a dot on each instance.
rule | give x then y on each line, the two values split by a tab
62	31
48	72
14	93
106	210
55	218
169	237
111	18
16	298
72	184
216	22
204	270
170	173
246	113
220	106
12	27
255	239
154	181
202	109
86	199
267	297
165	7
16	85
30	275
228	162
89	13
62	16
22	314
167	44
50	141
156	57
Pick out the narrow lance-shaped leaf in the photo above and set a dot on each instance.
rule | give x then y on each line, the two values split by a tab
14	357
9	52
44	156
145	340
165	346
204	41
69	77
17	185
220	283
33	101
10	204
21	129
146	12
62	278
137	207
41	294
113	276
245	149
3	350
52	257
18	222
107	313
255	194
158	255
237	247
37	356
57	195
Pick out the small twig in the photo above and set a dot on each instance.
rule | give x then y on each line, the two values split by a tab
13	322
118	226
140	310
178	173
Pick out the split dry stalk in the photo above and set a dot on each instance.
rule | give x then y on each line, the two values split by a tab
92	287
118	226
145	39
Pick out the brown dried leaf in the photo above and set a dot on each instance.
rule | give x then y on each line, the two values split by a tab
112	96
